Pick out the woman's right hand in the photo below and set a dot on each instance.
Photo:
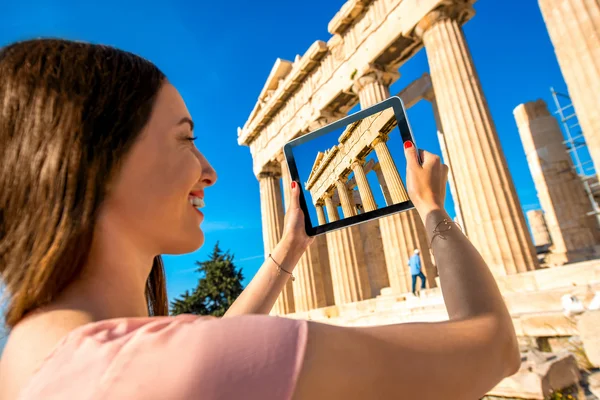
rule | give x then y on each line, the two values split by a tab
426	183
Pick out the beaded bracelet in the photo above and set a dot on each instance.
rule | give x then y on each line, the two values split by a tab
279	269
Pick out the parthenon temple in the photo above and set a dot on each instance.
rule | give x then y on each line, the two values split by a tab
359	275
331	169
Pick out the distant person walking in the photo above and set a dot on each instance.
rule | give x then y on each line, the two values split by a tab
414	262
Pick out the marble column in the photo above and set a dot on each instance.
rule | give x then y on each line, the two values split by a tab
382	185
574	29
372	85
560	190
490	206
321	214
347	202
332	211
272	220
390	172
539	229
364	190
308	290
404	232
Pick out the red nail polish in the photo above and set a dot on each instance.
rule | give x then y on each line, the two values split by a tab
408	144
293	184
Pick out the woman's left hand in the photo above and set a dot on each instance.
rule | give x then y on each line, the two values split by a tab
294	229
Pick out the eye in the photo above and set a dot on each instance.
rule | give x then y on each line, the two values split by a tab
191	138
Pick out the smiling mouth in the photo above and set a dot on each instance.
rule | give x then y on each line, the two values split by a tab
196	201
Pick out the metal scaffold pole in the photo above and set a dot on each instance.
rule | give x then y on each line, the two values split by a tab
577	147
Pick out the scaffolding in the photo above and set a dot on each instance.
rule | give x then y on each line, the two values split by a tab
577	148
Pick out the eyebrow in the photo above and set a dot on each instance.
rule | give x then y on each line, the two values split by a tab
185	120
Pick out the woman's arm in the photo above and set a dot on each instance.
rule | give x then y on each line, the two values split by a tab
462	358
262	292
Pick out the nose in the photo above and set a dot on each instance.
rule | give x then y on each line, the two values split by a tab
209	175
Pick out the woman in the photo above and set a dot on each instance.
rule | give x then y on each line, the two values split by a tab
99	175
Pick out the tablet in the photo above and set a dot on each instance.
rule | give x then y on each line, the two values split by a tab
353	170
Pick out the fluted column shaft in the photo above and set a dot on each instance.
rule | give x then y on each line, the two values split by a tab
364	190
321	214
384	188
347	203
574	28
347	261
332	212
539	229
560	190
401	233
390	172
491	210
272	220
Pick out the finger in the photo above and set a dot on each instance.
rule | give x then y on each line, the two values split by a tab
410	151
430	159
294	196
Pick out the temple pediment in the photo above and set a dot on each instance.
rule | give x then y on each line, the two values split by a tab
280	70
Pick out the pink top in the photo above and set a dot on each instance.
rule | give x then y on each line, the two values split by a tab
184	357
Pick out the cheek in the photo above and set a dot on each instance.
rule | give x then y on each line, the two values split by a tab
158	187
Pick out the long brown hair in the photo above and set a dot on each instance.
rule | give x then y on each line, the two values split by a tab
69	113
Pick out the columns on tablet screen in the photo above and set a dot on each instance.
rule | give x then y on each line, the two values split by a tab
364	189
332	212
348	207
272	221
390	172
491	210
386	192
567	209
574	28
321	213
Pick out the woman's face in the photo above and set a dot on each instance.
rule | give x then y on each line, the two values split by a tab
150	198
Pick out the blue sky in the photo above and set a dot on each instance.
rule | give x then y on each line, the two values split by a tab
219	55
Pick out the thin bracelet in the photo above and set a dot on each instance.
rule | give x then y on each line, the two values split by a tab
279	269
437	232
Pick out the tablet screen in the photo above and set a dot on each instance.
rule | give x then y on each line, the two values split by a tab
353	170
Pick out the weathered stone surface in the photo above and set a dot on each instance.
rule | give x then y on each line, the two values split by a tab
325	74
574	27
560	190
539	229
491	211
594	384
589	331
539	375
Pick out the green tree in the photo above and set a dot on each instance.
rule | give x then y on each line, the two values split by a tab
218	287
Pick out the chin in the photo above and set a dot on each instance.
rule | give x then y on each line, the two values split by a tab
188	243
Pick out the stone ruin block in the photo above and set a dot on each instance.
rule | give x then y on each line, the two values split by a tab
540	374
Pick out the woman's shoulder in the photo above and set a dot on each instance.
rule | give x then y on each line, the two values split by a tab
175	357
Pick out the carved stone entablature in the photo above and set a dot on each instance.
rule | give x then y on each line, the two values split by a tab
323	118
347	15
323	77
